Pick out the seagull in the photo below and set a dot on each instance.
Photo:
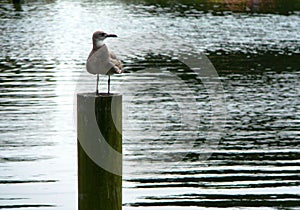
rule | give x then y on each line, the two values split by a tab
101	60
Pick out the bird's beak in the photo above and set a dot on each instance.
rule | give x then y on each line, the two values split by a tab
111	35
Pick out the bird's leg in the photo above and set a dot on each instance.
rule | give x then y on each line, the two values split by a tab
108	84
97	91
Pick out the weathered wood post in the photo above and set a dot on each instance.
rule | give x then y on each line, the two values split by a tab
99	133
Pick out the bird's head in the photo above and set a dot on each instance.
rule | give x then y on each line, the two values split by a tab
99	36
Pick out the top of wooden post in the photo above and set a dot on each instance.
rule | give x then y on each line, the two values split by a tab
93	94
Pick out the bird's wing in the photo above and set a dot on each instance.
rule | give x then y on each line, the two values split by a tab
116	62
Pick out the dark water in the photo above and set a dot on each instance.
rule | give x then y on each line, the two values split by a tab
189	142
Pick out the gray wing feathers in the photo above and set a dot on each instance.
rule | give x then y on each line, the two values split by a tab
118	67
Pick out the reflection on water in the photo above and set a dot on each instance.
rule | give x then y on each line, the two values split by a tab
168	110
254	63
188	7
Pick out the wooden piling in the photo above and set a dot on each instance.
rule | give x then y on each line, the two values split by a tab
99	132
